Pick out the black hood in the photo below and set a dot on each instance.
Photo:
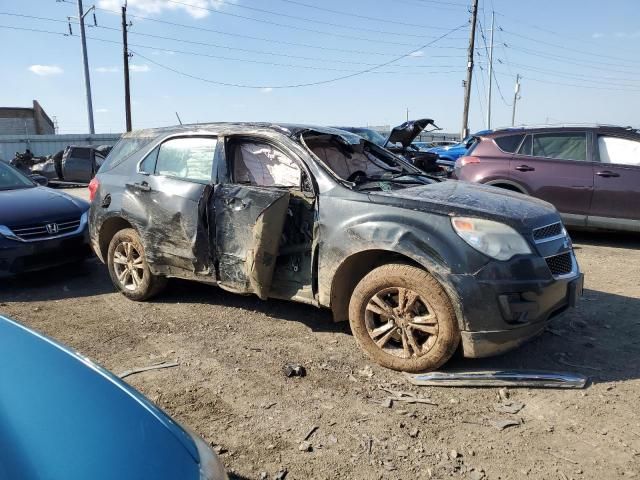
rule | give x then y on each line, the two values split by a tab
467	199
38	205
408	131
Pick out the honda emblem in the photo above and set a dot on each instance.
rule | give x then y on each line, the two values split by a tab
52	228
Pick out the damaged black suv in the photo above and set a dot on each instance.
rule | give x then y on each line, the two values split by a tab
324	217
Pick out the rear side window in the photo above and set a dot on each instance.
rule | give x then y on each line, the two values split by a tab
187	158
83	153
510	143
564	146
525	147
619	150
125	147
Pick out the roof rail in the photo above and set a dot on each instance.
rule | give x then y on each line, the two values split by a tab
568	125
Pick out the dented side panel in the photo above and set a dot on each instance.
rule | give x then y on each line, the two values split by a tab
249	222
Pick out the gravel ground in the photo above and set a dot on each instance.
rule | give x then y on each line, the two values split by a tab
229	385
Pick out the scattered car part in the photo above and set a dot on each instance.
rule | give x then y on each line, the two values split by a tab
65	417
499	378
294	370
158	366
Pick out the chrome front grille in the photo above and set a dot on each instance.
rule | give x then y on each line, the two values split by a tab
561	264
548	232
42	231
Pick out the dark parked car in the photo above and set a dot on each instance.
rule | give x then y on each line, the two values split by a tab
39	227
591	174
74	164
400	142
324	217
66	418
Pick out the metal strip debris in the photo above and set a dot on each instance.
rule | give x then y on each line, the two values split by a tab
499	378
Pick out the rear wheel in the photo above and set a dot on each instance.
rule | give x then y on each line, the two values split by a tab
403	319
128	267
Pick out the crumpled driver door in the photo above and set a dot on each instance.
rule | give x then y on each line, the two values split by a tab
248	222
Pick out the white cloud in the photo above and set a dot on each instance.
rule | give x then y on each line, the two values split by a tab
102	110
134	67
597	35
267	90
195	8
107	69
635	34
46	70
417	53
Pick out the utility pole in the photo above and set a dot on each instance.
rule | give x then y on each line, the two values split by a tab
493	20
515	100
467	84
407	114
125	52
87	80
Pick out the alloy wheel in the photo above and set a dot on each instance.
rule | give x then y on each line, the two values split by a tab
401	323
128	265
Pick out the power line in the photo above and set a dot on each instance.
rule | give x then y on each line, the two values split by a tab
293	27
314	20
569	60
563	47
199	54
298	85
560	35
310	67
580	86
355	15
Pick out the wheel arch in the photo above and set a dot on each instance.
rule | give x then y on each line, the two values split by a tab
108	229
354	267
508	185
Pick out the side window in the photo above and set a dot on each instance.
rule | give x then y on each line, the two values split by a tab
525	147
510	143
148	165
187	158
263	165
619	150
565	146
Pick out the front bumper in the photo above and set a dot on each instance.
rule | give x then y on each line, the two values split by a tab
21	257
501	311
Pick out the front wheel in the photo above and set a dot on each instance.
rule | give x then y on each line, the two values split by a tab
128	267
403	319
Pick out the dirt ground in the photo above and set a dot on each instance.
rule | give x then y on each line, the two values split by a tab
229	386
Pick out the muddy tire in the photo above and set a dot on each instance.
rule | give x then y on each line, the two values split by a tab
403	319
128	267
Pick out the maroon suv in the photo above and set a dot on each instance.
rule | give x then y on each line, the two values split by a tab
591	174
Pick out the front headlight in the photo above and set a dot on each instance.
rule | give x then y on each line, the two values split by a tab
494	239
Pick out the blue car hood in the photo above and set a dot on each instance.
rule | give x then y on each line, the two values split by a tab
64	418
38	205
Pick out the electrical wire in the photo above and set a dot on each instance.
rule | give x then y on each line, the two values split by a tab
354	15
298	85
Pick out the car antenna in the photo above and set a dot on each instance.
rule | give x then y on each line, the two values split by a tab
178	118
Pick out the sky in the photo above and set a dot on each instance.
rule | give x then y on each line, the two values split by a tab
370	61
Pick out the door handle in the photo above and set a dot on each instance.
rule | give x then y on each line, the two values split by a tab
237	203
607	174
525	168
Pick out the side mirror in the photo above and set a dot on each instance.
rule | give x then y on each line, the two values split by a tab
39	179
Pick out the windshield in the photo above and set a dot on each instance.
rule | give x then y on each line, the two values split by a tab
363	165
367	134
11	179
